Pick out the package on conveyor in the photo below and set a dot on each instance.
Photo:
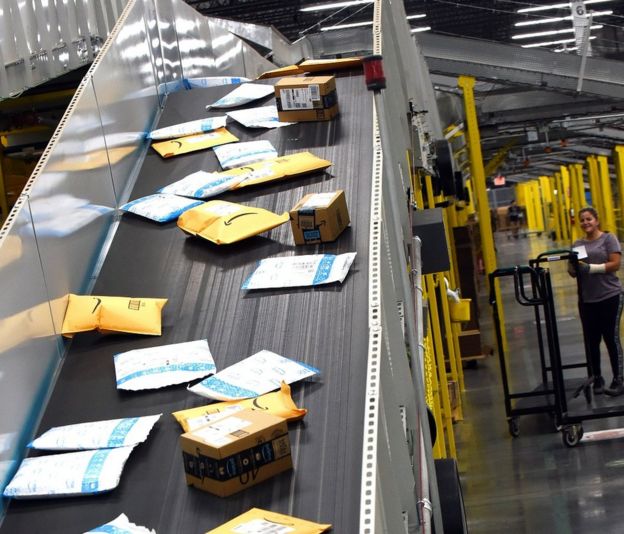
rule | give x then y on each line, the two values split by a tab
131	315
68	474
288	70
202	184
244	94
319	218
280	168
164	365
160	207
239	154
322	65
236	452
213	81
262	117
121	525
259	521
300	271
226	222
257	374
188	128
192	143
279	403
109	434
312	98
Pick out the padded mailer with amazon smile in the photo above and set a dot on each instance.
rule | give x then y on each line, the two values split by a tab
278	168
191	143
226	222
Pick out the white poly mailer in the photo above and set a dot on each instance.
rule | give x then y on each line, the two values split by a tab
299	271
109	434
165	365
69	474
241	154
256	375
244	94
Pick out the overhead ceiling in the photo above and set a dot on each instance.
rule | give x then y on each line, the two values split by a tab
538	129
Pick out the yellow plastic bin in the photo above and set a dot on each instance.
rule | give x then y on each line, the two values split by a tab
460	311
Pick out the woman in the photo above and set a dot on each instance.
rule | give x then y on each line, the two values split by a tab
600	302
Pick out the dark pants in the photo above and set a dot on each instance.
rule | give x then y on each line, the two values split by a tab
601	321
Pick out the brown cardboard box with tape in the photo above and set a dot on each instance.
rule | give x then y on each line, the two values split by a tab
319	218
236	452
312	98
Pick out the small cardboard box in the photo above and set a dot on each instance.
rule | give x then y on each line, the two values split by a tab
236	452
319	218
312	98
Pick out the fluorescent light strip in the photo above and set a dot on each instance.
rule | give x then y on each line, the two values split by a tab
419	16
556	6
557	19
420	29
551	32
560	41
343	26
334	5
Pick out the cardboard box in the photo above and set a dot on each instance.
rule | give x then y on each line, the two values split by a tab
236	452
319	218
312	98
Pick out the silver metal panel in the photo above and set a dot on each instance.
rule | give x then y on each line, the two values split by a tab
254	63
226	47
167	61
29	350
195	49
72	199
350	40
125	92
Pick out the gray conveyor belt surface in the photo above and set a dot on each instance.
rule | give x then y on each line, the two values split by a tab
325	326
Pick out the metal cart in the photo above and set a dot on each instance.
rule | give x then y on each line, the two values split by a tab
551	396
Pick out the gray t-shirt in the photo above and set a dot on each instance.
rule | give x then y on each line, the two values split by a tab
599	286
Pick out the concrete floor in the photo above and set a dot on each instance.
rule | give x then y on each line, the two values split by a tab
533	483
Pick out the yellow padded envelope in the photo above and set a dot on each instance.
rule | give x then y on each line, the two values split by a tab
226	222
258	520
191	143
320	65
278	403
278	168
112	314
289	70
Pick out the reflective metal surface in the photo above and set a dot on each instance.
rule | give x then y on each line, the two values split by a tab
166	55
29	350
125	93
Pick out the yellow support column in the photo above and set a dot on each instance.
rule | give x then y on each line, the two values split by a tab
432	394
477	175
618	159
607	214
556	206
576	190
565	204
594	183
538	206
434	316
546	194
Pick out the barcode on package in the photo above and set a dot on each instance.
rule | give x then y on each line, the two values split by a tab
299	98
314	92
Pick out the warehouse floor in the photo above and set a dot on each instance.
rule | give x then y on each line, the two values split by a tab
533	483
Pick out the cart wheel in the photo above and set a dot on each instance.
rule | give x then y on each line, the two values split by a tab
572	435
514	430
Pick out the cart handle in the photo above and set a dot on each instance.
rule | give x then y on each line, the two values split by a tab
505	271
519	287
555	255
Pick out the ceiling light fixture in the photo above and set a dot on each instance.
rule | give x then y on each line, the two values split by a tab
557	19
420	29
548	43
418	16
551	32
334	5
344	26
556	6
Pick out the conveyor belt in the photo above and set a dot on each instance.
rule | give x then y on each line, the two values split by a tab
324	326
